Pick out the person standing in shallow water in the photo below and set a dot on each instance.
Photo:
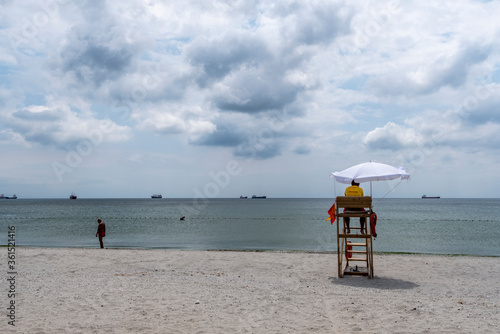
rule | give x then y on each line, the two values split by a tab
101	231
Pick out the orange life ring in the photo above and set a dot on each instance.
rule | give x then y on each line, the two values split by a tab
373	222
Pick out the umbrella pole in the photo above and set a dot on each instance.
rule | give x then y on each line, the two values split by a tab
370	188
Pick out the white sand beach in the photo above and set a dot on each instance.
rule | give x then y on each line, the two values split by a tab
62	290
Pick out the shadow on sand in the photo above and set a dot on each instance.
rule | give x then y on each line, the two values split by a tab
382	283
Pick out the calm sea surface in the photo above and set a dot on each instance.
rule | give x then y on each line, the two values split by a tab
440	226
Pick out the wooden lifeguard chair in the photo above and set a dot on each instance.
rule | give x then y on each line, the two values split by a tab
354	249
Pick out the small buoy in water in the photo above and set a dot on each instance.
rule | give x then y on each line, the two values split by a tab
197	302
183	217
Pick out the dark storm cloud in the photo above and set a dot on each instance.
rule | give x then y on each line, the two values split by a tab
218	57
302	150
253	93
258	151
481	106
35	128
456	73
309	24
223	136
106	58
91	60
97	48
251	141
45	138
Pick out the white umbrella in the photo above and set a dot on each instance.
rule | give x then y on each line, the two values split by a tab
370	171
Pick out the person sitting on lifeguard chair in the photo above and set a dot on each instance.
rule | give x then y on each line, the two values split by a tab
354	190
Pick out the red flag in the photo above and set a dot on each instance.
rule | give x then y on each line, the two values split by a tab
331	212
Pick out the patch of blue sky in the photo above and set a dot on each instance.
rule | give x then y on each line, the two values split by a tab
495	77
171	46
146	56
34	100
28	51
252	24
355	83
5	69
100	109
447	36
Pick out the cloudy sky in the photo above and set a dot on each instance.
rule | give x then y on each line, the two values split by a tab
229	98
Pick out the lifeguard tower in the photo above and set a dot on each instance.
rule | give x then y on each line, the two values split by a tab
354	247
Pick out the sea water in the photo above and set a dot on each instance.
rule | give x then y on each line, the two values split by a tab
438	226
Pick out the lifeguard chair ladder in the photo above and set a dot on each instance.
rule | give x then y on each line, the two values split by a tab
354	248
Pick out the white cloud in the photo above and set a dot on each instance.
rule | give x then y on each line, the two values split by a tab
173	119
56	124
392	137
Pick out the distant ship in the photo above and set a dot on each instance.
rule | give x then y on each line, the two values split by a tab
156	196
2	196
243	197
425	196
258	196
11	197
72	196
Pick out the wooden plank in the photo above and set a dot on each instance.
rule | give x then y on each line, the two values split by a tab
353	202
360	214
355	236
356	273
340	251
355	212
